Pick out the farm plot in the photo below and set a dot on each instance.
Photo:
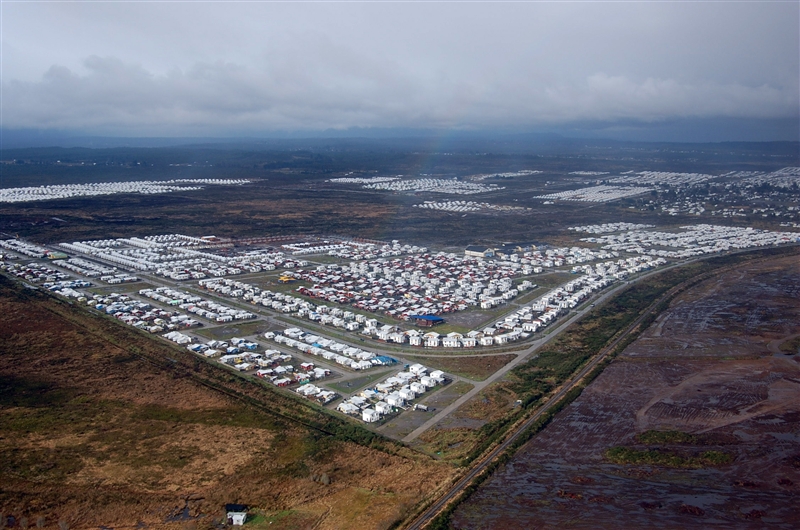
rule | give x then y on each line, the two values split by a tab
696	424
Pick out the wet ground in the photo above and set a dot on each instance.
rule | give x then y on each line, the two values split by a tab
703	368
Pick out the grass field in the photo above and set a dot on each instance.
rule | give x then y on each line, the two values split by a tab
241	329
103	425
352	385
475	368
791	346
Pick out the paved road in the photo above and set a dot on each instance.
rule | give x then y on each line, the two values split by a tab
522	356
403	357
529	352
427	516
774	345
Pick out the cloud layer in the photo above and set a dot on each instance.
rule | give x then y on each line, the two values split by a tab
211	69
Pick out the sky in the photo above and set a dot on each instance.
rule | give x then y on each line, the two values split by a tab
683	70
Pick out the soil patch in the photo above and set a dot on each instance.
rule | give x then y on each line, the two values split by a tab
476	368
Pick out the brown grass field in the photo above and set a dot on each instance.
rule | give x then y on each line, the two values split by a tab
93	434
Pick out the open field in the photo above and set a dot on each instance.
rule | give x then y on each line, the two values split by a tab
447	395
791	346
401	425
472	367
355	384
104	426
239	329
696	424
101	425
121	288
302	204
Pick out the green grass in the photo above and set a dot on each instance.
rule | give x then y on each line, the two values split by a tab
549	280
26	392
791	347
469	367
664	458
666	437
444	329
459	388
121	288
323	259
281	519
55	464
38	407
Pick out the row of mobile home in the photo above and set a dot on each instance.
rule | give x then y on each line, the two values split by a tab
393	393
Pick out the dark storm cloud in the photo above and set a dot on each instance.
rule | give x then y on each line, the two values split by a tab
160	69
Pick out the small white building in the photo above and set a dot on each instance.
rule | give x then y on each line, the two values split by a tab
417	369
418	388
358	401
438	376
347	408
361	365
427	381
236	514
370	415
394	399
407	393
403	377
382	407
451	342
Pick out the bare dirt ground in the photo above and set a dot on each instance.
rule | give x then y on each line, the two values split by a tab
405	423
703	368
475	368
92	435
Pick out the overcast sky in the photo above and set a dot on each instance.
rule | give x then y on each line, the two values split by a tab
229	68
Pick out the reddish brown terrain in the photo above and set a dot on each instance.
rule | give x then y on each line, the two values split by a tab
93	434
715	377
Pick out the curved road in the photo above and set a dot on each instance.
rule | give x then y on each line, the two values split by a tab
522	356
432	511
456	489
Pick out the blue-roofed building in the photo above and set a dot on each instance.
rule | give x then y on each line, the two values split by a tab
426	321
384	360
